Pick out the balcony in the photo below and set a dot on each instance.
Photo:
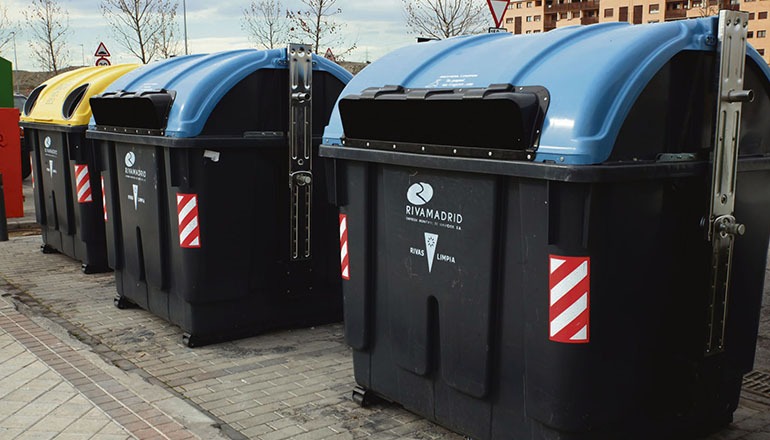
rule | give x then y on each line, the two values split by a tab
549	25
675	14
574	6
589	20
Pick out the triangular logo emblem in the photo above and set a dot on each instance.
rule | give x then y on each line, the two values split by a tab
102	51
431	240
498	8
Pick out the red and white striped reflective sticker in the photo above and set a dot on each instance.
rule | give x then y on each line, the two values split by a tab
83	184
569	285
104	200
189	229
344	260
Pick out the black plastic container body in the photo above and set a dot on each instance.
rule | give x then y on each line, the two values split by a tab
464	340
237	279
68	202
507	299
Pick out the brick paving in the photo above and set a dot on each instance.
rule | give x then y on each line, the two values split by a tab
39	403
290	384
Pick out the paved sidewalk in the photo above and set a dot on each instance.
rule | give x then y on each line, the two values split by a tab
28	222
51	386
282	385
37	402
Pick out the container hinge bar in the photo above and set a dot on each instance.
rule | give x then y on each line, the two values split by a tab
300	148
722	225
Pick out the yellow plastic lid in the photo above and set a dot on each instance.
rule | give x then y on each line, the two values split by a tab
63	99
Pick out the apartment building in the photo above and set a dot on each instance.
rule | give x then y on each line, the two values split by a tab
533	16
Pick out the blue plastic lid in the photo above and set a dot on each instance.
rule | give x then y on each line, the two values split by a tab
593	73
200	82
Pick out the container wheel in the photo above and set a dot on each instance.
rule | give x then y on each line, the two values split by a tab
48	249
363	397
90	268
121	302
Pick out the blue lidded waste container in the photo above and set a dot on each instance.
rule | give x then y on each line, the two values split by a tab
210	170
541	234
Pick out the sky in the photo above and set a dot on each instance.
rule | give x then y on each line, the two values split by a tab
376	26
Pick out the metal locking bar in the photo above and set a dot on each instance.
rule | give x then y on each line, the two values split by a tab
300	147
722	226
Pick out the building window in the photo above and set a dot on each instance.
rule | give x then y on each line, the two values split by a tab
623	13
563	15
508	20
518	5
529	4
529	32
529	18
537	18
751	16
538	3
536	31
654	9
653	21
608	12
762	15
750	34
761	34
761	51
576	14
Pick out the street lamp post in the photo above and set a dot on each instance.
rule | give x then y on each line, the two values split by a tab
184	17
15	62
83	55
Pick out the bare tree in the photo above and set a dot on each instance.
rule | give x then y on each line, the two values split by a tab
444	18
49	25
167	39
142	27
265	22
6	28
316	22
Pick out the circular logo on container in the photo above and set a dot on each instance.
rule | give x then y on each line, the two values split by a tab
130	159
419	193
47	142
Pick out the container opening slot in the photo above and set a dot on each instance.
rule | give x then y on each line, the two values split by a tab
73	101
30	103
148	110
502	121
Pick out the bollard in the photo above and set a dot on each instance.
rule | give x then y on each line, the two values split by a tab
3	220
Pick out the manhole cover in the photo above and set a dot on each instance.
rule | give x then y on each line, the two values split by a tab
757	382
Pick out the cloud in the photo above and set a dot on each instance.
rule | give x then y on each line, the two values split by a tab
377	27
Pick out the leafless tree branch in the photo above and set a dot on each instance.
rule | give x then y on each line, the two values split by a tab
49	25
266	24
6	28
445	18
146	28
167	39
315	22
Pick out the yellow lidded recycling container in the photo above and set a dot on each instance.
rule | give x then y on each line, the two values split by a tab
68	203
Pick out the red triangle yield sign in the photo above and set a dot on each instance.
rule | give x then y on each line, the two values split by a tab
330	55
498	8
102	51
